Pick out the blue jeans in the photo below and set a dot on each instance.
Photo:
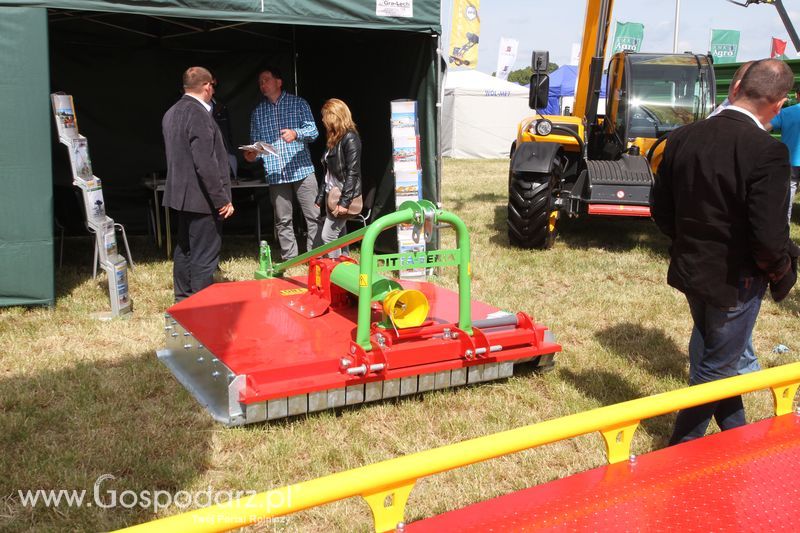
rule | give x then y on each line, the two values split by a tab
747	363
721	347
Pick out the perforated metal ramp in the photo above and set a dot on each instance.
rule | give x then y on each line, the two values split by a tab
747	479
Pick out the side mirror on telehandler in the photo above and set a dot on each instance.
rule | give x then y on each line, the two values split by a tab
540	81
540	86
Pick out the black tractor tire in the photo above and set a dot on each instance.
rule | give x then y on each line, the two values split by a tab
531	200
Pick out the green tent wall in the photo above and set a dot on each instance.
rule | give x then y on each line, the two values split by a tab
26	221
122	62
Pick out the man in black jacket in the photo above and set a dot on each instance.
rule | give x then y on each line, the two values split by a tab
221	116
198	183
720	194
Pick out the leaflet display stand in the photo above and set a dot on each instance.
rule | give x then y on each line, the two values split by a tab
407	166
97	222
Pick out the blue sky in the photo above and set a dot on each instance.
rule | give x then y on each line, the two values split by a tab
554	26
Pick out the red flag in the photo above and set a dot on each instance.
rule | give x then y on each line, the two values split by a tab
778	48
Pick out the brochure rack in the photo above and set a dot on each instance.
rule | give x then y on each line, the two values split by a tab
103	227
407	167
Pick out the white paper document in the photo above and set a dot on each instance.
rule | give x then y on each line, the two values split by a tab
260	147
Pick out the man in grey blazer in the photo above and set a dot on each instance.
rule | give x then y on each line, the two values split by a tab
198	183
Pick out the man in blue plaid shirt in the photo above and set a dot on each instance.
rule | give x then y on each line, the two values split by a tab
285	121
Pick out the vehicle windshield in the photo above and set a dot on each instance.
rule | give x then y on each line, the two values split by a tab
666	92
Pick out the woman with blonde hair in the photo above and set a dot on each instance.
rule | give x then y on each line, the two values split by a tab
341	195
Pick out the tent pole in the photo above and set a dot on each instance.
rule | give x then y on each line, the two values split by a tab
439	103
677	23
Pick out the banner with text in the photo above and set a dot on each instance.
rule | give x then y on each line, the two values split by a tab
464	34
724	46
628	37
506	57
778	49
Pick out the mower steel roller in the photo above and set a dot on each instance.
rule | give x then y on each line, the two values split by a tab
344	334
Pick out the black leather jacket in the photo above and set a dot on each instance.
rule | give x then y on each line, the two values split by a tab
344	162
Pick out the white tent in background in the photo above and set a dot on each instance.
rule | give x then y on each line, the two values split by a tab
480	115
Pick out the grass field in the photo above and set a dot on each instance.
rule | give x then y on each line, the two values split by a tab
80	398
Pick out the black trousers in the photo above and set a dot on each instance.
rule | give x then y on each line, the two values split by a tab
196	252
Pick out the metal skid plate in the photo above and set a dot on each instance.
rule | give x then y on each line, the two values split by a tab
247	357
203	375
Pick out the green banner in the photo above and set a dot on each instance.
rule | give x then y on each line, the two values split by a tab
628	37
724	46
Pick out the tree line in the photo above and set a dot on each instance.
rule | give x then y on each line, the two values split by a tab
523	76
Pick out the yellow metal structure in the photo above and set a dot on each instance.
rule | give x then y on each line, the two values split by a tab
643	143
386	485
595	36
615	88
406	308
618	441
525	133
658	154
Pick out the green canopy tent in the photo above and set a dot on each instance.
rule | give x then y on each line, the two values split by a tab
122	61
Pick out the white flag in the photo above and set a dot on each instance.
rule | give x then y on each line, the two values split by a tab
506	56
575	54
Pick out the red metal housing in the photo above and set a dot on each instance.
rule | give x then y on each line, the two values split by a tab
256	329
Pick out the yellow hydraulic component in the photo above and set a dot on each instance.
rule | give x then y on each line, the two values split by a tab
386	485
407	308
551	221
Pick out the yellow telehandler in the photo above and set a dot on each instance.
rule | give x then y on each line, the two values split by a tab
586	164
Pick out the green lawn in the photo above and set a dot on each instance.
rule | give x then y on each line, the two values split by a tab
80	398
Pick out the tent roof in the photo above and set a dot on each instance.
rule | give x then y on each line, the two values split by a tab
338	13
472	81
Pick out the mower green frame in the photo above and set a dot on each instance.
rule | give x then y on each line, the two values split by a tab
417	213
